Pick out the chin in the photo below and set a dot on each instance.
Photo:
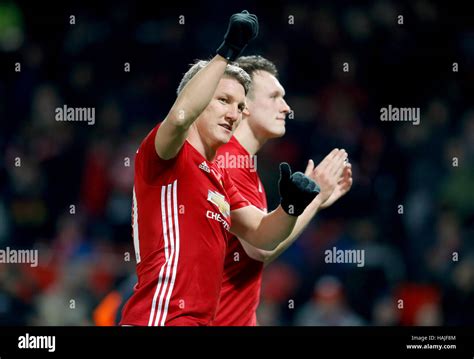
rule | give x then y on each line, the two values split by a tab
282	132
227	139
277	132
221	139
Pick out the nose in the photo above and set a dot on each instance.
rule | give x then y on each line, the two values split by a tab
285	109
233	114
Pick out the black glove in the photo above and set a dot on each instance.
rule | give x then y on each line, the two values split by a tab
243	27
296	190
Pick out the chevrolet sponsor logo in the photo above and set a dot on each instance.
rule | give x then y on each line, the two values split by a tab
217	217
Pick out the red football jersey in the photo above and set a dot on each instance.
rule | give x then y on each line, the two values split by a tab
240	292
181	217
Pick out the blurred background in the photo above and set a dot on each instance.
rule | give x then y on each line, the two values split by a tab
69	197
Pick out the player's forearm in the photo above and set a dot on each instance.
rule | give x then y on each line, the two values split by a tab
267	231
198	92
301	223
191	101
298	192
272	229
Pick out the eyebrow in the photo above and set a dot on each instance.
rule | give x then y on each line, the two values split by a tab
232	98
228	95
278	92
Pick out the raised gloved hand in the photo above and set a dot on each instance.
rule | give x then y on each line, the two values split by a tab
296	190
242	28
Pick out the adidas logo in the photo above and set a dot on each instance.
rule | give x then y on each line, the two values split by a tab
204	167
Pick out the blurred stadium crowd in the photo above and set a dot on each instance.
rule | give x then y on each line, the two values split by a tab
70	197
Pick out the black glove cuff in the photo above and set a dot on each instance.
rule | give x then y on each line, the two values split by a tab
291	209
229	52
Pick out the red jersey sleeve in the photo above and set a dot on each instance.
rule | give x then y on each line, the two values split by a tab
246	185
236	199
149	164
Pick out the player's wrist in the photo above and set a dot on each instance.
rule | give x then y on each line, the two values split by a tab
228	51
317	203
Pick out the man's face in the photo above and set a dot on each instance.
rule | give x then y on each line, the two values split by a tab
266	107
219	119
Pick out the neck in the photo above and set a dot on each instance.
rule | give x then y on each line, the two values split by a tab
208	152
248	139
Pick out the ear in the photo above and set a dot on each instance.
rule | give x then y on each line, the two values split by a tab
246	112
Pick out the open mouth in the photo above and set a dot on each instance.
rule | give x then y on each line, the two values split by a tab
226	126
